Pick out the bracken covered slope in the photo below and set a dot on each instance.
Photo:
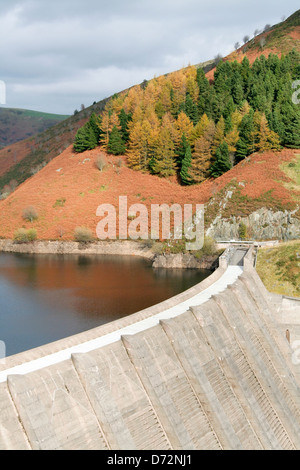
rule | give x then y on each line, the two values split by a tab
67	192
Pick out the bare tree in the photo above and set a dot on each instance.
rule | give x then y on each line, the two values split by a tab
262	42
218	58
237	46
267	28
246	39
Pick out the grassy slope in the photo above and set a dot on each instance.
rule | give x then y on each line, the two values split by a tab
19	124
279	268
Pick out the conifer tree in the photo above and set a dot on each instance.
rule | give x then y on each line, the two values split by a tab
181	150
185	167
116	145
85	138
124	119
137	148
263	137
95	123
164	163
219	135
201	160
241	150
222	161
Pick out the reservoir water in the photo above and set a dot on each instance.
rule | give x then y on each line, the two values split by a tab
44	298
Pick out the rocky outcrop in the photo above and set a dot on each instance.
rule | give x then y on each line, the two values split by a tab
264	224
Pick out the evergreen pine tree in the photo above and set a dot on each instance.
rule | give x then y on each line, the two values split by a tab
124	119
180	151
222	161
116	145
185	167
95	123
241	150
85	138
191	109
291	125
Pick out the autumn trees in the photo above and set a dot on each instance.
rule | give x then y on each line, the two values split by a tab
182	124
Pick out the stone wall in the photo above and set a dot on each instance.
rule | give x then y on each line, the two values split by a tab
122	248
60	247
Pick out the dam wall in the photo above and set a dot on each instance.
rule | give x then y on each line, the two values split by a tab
206	370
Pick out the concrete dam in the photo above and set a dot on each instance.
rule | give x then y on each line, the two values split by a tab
212	368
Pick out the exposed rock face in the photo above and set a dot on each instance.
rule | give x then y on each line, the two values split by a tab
263	224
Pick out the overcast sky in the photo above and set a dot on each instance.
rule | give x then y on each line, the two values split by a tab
59	54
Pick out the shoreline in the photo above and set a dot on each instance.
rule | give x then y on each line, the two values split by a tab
117	247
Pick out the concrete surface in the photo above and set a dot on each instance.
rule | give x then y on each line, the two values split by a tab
209	369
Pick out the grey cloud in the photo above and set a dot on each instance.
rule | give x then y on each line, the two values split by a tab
56	55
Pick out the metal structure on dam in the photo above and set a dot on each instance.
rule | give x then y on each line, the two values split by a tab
212	368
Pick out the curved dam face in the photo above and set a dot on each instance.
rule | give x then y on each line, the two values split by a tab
208	369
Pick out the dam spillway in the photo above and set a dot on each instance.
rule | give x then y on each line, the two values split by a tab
208	369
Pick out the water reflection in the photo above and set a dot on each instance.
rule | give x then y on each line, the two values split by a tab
48	297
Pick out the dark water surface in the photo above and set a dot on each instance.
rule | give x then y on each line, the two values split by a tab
44	298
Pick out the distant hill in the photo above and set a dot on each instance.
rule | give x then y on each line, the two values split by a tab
20	160
19	124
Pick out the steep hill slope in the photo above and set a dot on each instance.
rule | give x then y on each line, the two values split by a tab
19	161
67	192
19	124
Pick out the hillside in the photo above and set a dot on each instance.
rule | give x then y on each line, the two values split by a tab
19	124
279	268
160	124
67	192
34	152
278	39
22	159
